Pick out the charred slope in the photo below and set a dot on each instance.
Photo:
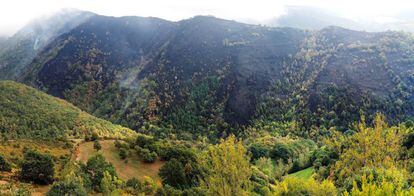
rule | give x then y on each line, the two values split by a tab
206	74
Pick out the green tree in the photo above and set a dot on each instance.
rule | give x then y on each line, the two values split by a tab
378	147
4	165
71	186
292	186
96	145
95	169
226	169
146	155
123	153
377	187
173	174
109	183
258	151
37	167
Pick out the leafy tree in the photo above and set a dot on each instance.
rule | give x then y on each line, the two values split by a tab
181	153
149	186
109	183
376	147
281	151
226	169
4	165
145	142
172	173
95	169
371	186
296	186
146	155
134	183
258	151
72	186
37	167
96	145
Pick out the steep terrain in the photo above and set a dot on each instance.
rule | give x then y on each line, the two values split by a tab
207	75
30	114
19	50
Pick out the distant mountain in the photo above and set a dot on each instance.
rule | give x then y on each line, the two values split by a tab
312	18
2	41
210	76
19	50
28	113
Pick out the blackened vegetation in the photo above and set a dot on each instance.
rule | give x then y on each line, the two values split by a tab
208	76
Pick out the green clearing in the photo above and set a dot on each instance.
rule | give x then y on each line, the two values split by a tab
303	174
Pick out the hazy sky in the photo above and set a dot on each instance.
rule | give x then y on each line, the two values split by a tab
15	13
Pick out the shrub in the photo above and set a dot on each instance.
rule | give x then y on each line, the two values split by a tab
37	167
117	144
94	136
134	183
4	165
147	155
96	145
144	141
123	153
70	187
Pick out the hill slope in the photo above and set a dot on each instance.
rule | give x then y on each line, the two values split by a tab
28	113
208	75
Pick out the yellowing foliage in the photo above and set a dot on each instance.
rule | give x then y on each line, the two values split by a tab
371	147
298	186
227	169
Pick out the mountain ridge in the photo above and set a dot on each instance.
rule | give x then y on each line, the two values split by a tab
206	73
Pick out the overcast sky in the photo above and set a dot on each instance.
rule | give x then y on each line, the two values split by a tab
16	13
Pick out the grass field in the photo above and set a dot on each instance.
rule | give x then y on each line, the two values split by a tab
126	170
304	174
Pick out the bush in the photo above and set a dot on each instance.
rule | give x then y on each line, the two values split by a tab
94	137
117	144
4	165
70	187
144	141
96	145
38	168
147	156
123	153
134	183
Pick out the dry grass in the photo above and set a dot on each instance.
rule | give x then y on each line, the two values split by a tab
134	167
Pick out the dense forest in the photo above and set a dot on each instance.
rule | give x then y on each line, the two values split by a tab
205	106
